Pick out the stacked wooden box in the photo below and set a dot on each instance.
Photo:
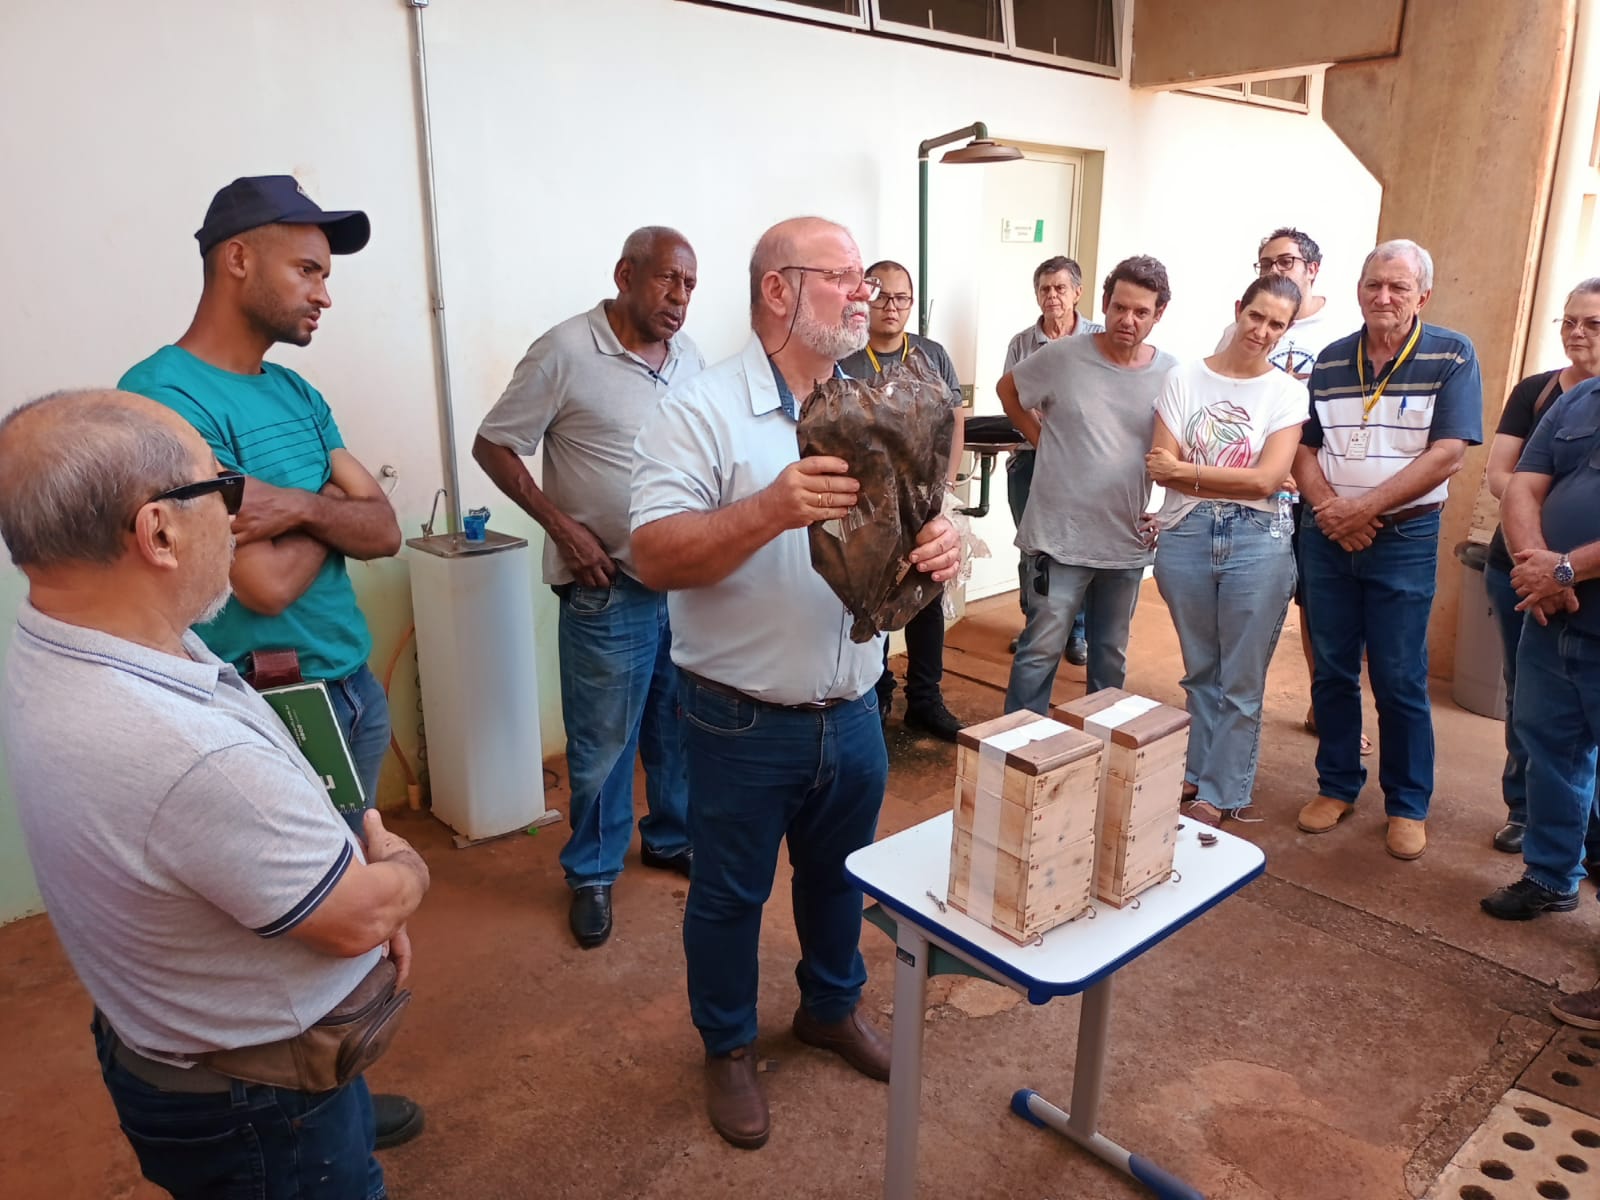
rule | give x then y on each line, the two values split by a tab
1141	785
1022	855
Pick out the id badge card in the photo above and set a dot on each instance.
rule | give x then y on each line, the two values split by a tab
1357	449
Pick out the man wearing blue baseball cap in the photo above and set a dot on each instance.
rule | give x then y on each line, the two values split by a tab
308	503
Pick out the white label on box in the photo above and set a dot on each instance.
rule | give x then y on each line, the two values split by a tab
1119	714
990	790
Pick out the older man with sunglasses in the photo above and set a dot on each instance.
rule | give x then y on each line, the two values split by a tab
308	503
781	721
210	899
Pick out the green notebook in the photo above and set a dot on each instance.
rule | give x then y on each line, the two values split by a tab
306	710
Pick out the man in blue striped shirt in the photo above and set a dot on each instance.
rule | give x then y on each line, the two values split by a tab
1394	407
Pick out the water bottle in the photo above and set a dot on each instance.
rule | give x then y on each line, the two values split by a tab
1283	518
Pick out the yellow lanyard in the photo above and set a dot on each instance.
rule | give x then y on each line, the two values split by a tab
1361	369
905	349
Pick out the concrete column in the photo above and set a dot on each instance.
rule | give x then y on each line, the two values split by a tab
1461	129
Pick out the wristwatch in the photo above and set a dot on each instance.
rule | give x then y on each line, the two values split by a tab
1563	573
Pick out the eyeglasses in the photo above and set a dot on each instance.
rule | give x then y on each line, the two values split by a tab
1570	326
899	300
230	484
1284	262
851	279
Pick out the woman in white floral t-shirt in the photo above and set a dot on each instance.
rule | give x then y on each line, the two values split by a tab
1225	435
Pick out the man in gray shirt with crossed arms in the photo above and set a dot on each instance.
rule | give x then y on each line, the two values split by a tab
207	893
1088	404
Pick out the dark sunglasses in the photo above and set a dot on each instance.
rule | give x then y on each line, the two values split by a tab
229	484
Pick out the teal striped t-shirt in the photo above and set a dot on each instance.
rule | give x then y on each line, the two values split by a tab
277	428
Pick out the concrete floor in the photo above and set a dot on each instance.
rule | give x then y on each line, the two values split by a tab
1334	1032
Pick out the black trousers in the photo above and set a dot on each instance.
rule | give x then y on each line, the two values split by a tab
924	659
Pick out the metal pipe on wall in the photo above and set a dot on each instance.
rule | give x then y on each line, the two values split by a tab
441	335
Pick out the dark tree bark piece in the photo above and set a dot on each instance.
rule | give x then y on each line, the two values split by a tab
895	434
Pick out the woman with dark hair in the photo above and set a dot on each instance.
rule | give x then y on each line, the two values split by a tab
1525	408
1225	435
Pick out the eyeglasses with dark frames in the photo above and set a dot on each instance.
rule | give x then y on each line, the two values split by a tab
229	484
1283	262
894	300
851	279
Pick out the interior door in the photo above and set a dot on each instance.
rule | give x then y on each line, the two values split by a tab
1029	213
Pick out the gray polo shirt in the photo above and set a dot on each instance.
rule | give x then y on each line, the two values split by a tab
1033	338
581	391
773	628
1089	481
177	835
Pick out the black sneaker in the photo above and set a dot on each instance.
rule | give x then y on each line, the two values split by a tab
1508	839
934	719
398	1119
1525	899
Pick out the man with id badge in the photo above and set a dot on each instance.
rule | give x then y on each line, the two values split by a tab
1393	408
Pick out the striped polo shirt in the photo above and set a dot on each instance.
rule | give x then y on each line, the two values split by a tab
1437	393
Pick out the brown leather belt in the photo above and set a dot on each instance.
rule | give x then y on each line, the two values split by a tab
1410	514
722	689
164	1076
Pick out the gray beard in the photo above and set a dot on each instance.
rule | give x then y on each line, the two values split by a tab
828	341
214	608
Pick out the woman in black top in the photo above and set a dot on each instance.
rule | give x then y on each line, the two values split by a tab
1525	407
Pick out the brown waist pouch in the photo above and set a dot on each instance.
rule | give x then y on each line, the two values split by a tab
350	1038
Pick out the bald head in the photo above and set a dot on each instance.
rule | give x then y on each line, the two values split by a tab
787	244
75	467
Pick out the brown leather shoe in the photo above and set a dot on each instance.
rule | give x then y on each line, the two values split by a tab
853	1039
1322	814
1581	1009
1407	838
734	1100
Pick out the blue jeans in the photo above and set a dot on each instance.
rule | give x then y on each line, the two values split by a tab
1374	600
363	712
1227	583
251	1143
1019	484
1503	600
758	775
619	698
1558	721
1112	593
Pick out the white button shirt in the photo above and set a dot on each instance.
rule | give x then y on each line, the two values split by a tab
773	629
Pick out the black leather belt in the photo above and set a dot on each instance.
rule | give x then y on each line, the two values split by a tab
166	1077
722	689
1410	514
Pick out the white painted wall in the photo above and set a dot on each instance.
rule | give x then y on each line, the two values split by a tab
558	127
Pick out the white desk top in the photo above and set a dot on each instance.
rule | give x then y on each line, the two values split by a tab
901	869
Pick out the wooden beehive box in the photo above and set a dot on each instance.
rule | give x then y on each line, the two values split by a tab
1022	854
1141	785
